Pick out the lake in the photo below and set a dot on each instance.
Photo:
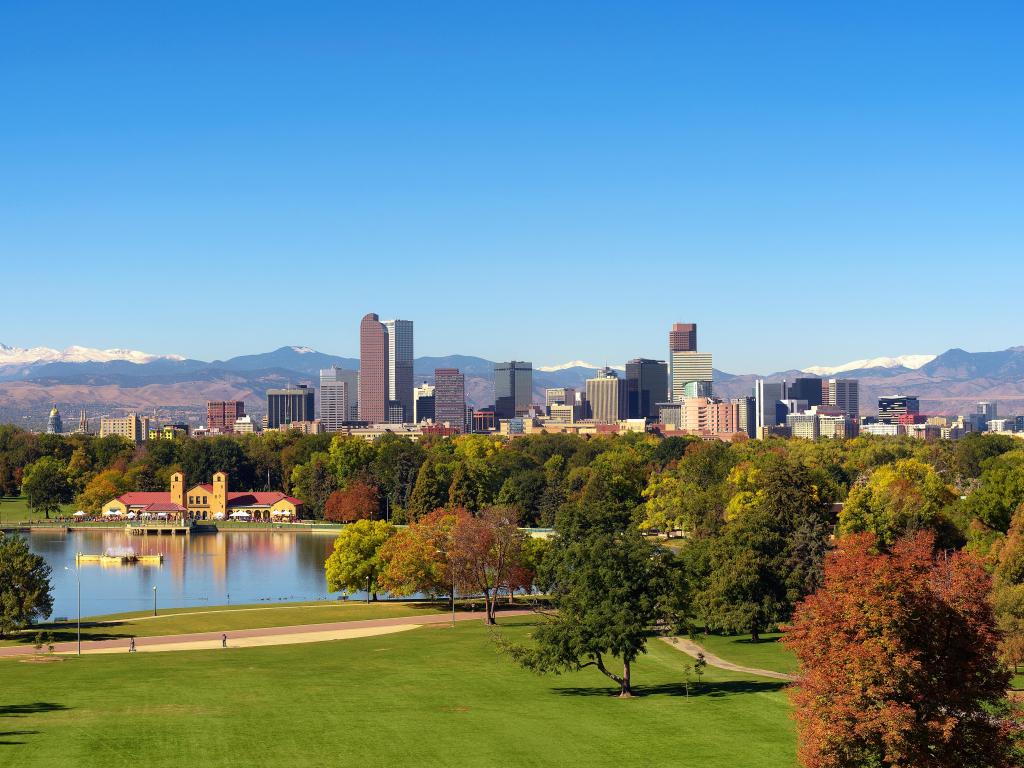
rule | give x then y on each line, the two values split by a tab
198	570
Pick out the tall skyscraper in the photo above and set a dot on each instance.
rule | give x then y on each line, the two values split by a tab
810	389
423	401
691	375
607	396
373	370
222	414
337	397
513	388
843	394
682	338
450	397
287	405
400	358
746	416
646	385
767	398
53	423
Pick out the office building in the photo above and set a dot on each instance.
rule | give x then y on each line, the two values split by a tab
244	425
682	338
892	407
559	396
746	416
292	404
373	370
809	389
709	417
987	411
803	425
607	396
221	415
400	357
767	396
338	400
691	375
450	398
423	402
513	388
53	423
131	427
646	386
560	413
843	394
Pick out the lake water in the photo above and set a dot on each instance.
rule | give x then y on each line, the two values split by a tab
198	570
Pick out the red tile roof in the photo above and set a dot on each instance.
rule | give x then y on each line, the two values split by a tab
143	498
165	507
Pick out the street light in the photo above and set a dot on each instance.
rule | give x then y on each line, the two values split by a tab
367	590
79	580
154	600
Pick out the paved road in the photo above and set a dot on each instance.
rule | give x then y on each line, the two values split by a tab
294	634
686	645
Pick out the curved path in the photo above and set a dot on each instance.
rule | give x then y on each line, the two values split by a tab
687	646
247	638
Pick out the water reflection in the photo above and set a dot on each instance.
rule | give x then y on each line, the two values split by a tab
207	569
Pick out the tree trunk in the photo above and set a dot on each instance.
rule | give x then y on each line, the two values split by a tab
625	691
490	603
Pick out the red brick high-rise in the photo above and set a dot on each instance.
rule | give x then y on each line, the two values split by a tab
221	415
682	337
373	370
450	397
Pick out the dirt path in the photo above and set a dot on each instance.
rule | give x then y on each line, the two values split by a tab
246	638
691	648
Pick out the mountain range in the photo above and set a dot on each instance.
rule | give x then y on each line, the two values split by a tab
110	381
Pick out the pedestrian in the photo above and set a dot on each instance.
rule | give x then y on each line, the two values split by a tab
224	640
131	645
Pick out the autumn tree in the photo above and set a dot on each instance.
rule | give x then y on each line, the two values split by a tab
358	501
485	550
314	482
418	557
898	653
355	563
1008	592
107	485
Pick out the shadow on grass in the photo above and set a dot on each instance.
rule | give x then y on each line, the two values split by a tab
65	633
714	690
22	710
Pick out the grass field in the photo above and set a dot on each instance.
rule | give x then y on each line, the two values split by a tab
1017	683
433	696
176	621
15	510
767	654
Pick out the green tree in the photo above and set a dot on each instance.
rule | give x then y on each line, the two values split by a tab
999	492
351	457
355	563
430	491
25	591
46	486
314	482
905	496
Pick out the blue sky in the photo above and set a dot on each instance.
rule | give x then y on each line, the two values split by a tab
544	181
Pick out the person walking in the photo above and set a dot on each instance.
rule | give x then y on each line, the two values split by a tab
224	640
131	645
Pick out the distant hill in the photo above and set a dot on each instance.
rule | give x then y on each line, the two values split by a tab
947	384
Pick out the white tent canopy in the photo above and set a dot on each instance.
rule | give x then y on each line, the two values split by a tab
241	514
112	513
79	513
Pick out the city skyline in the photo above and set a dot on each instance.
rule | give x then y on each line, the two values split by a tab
841	148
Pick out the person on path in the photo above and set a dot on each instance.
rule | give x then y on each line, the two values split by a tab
224	640
131	645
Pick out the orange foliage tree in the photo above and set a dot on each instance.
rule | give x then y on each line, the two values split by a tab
418	557
899	660
357	501
486	553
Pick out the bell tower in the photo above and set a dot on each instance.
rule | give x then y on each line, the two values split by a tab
219	502
178	489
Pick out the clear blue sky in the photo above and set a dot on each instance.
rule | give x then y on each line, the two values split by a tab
545	181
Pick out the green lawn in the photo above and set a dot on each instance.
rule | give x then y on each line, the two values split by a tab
767	654
432	696
1017	683
15	510
175	621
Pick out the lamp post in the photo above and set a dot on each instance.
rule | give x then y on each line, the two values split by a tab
154	600
78	578
453	596
367	590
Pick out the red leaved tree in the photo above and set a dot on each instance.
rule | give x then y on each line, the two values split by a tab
485	553
898	652
358	501
418	557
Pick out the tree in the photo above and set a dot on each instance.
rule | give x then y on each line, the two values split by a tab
484	552
107	485
418	558
430	490
1008	592
898	498
355	563
314	482
46	486
25	594
899	662
359	501
609	590
1000	490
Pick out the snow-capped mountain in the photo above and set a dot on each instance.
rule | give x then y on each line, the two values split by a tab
911	362
575	364
75	354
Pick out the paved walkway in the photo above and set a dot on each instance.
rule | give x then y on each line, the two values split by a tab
687	646
246	638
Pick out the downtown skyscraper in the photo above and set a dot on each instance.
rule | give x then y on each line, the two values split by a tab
513	388
450	397
690	371
400	357
373	370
